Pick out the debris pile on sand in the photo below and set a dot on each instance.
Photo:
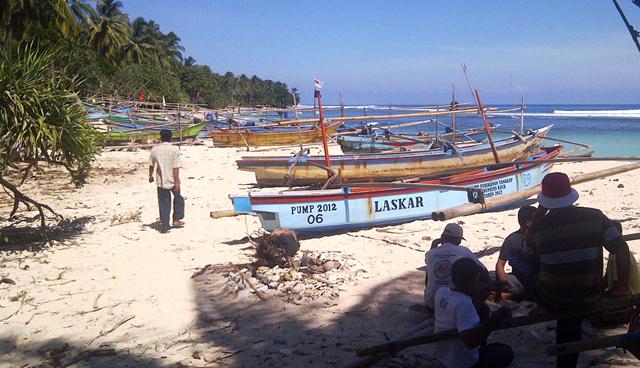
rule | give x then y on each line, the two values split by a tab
310	277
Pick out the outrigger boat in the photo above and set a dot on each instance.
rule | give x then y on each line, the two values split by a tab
147	134
380	140
301	170
376	204
286	136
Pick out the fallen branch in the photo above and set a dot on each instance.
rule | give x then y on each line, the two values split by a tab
19	197
200	271
115	327
95	309
246	280
387	241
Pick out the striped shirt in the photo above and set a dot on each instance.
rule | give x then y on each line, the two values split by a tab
568	243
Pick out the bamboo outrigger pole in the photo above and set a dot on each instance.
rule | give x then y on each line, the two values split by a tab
381	117
473	208
487	128
372	354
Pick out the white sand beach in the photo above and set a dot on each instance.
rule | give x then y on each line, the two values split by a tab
117	293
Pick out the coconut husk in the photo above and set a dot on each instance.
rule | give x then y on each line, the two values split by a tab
276	248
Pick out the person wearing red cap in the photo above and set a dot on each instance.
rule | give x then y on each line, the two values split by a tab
568	242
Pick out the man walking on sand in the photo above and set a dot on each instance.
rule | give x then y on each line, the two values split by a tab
165	159
568	242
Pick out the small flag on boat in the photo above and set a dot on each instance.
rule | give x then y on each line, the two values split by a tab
317	85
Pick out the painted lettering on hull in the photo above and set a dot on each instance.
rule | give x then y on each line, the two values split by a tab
397	204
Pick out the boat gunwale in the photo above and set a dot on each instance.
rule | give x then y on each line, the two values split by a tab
247	161
463	179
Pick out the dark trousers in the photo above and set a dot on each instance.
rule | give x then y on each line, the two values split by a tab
494	355
164	203
568	330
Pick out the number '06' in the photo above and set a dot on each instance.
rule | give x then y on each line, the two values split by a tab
315	219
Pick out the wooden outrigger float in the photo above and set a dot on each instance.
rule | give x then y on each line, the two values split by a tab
311	170
239	137
376	204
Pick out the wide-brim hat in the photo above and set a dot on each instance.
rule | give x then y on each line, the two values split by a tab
557	191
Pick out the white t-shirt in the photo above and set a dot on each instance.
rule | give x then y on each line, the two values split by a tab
455	310
165	157
439	261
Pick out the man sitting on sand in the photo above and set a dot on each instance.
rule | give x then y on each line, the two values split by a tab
568	242
519	283
165	158
440	258
455	308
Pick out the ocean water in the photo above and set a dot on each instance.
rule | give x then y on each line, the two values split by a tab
612	130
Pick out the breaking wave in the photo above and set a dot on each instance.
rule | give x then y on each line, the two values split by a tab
602	114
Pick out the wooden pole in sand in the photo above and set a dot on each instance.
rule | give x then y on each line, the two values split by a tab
627	341
473	208
395	346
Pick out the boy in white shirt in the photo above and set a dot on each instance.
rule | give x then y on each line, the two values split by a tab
455	308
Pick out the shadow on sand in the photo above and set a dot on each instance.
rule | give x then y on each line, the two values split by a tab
21	234
273	333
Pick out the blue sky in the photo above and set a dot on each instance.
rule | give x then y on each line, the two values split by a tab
568	51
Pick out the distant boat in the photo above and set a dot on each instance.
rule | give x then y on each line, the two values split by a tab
351	208
278	136
148	134
302	170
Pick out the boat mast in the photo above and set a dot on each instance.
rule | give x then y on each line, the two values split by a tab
635	35
522	117
316	93
453	114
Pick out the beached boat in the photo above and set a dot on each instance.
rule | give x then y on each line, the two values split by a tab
357	207
381	142
287	136
308	170
144	135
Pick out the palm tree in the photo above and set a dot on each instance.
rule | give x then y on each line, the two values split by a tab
189	61
20	18
138	48
172	50
109	30
81	11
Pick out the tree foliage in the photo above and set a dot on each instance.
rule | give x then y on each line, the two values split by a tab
86	47
109	44
41	118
